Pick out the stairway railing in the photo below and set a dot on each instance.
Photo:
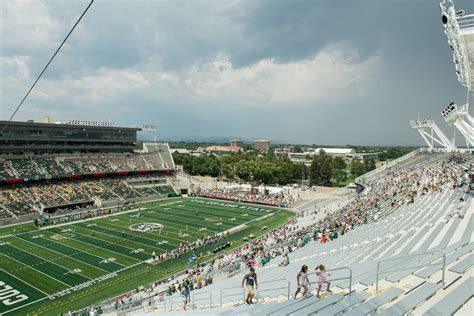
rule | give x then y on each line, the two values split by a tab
443	265
337	279
208	297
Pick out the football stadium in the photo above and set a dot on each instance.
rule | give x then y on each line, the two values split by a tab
96	221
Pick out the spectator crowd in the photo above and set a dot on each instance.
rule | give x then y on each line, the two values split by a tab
397	187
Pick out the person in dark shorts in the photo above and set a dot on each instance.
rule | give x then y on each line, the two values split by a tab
250	280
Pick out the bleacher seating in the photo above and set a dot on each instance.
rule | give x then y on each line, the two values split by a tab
407	238
51	180
62	166
28	199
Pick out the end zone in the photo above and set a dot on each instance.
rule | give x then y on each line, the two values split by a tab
15	293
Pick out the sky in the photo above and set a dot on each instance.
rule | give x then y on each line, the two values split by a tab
299	71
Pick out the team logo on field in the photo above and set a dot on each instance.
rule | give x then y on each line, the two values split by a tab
145	227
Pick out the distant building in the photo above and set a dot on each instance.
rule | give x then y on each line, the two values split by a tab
297	156
182	151
223	149
283	151
237	143
364	156
334	152
262	145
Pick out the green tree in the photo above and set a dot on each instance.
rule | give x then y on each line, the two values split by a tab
315	171
297	149
338	163
357	168
326	168
339	175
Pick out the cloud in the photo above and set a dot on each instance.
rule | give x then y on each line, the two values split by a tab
211	67
26	25
326	77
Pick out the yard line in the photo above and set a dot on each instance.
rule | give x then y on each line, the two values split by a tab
91	246
84	251
123	228
24	305
25	282
159	218
169	216
212	213
46	260
170	223
21	263
154	240
105	215
161	236
123	238
106	241
63	255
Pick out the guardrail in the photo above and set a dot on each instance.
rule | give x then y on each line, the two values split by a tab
173	300
338	279
160	302
194	299
241	292
443	264
287	287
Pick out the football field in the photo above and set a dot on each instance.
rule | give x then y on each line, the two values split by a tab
65	267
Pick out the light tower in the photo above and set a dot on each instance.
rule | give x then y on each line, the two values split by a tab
461	119
431	133
459	28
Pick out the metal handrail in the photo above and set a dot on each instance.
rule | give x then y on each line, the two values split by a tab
159	303
443	264
172	299
338	279
287	287
200	299
229	295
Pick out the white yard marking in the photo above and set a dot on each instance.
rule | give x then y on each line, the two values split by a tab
108	260
21	263
79	251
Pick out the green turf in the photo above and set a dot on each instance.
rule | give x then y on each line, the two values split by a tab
54	259
14	292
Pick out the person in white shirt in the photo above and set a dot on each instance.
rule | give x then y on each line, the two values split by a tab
323	277
302	281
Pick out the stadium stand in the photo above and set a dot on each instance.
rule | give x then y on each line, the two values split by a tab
47	183
64	166
33	198
413	218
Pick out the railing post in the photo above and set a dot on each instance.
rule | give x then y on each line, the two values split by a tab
210	300
444	268
288	290
350	281
377	278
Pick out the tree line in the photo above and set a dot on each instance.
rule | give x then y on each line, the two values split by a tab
267	169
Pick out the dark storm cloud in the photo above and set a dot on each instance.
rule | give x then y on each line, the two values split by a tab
327	71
